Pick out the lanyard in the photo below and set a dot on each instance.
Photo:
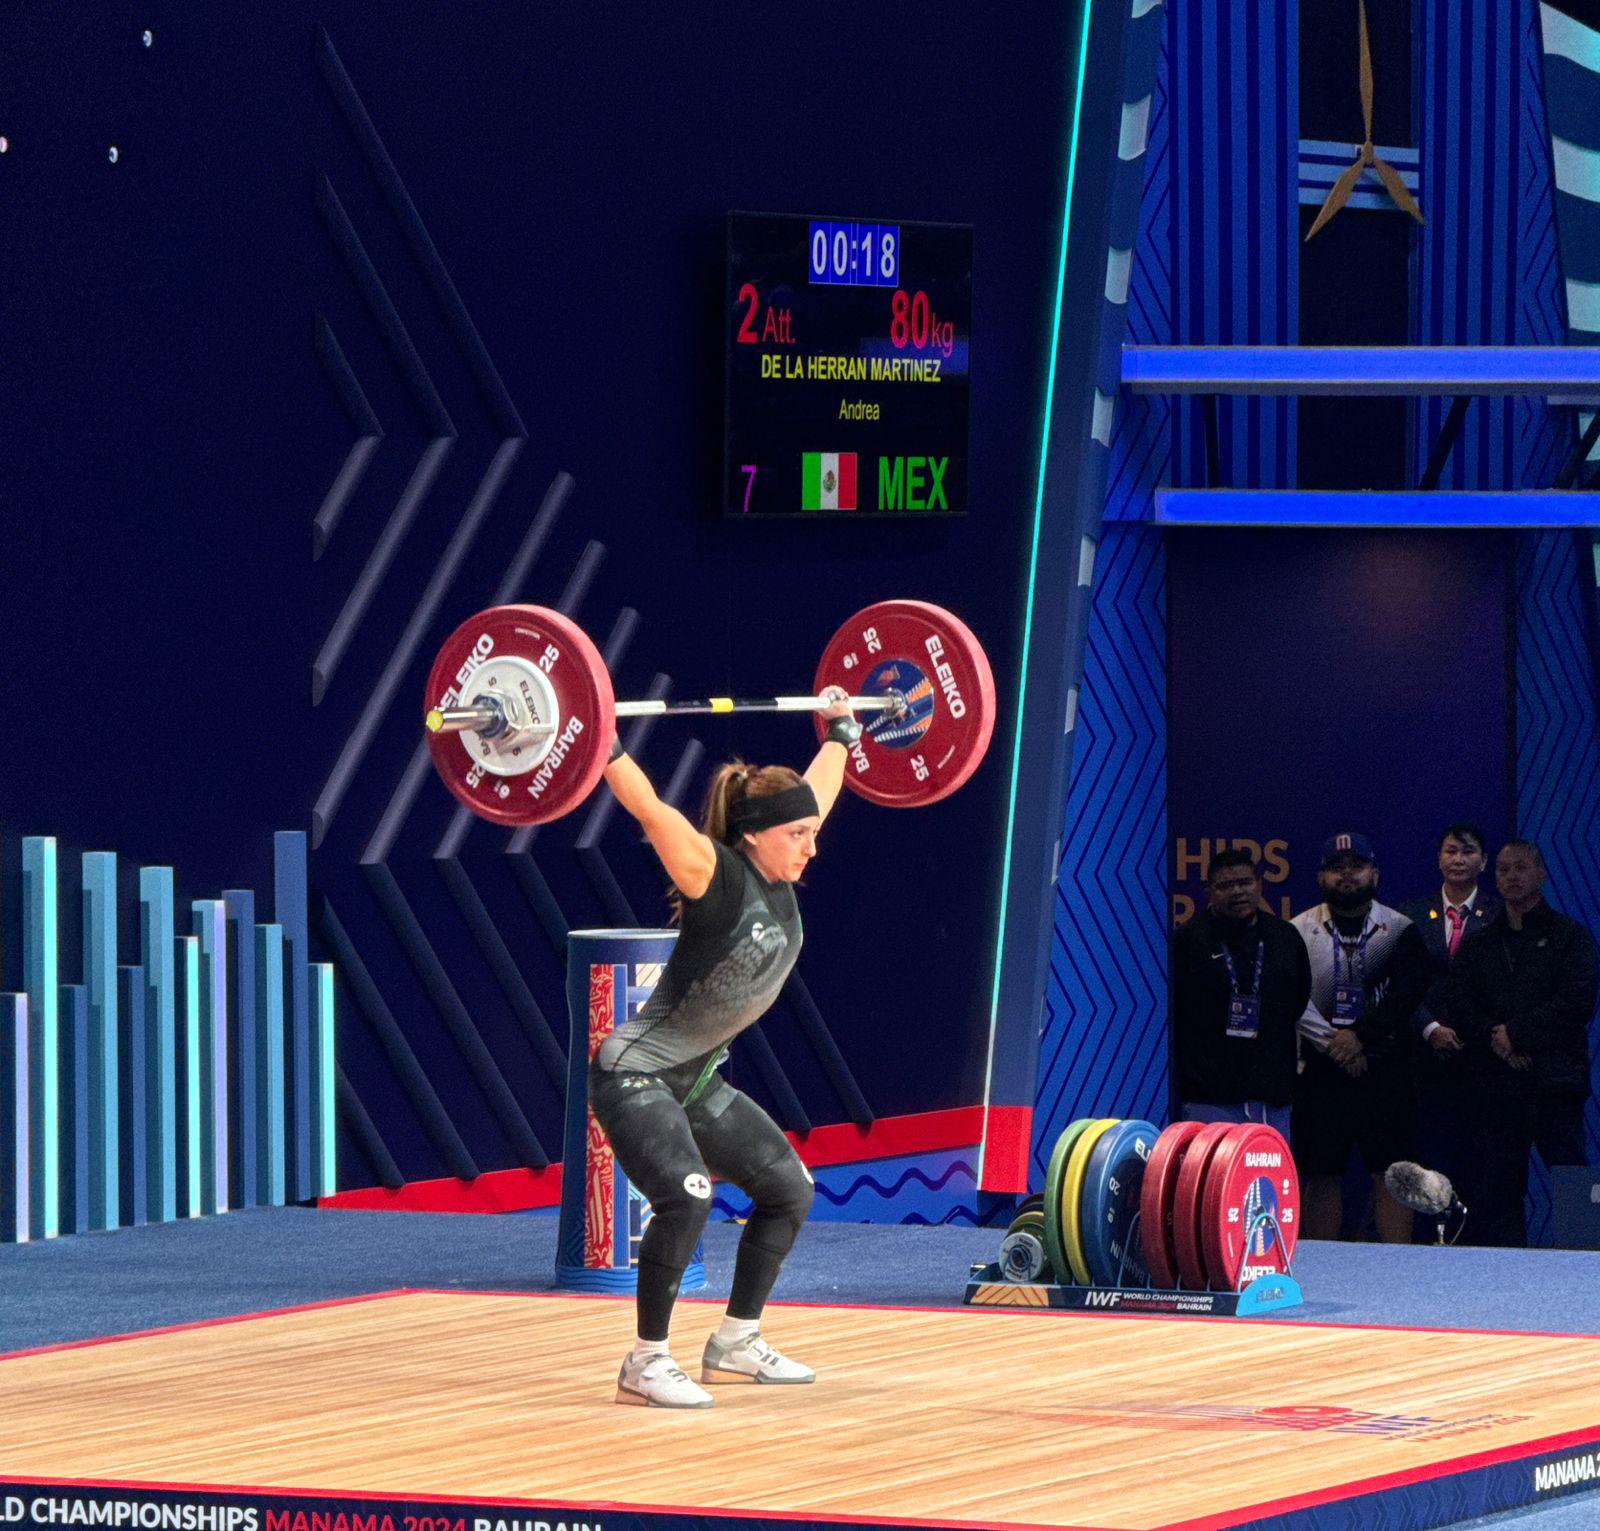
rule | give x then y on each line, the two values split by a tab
1233	976
1358	962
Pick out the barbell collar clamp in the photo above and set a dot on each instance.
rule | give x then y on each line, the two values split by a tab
486	717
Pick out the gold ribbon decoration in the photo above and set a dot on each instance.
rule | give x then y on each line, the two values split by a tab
1367	158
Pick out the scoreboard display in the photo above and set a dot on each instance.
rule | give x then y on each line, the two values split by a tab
848	362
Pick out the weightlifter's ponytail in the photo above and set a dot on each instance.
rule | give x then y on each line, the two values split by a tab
730	786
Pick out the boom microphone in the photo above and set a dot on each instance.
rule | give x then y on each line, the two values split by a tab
1422	1190
1428	1192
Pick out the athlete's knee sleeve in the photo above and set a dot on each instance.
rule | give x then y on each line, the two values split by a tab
680	1203
782	1193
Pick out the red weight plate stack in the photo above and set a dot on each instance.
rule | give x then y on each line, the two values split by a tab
1156	1195
554	662
1186	1242
922	651
1252	1174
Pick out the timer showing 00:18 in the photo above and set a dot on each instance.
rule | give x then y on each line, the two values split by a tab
855	254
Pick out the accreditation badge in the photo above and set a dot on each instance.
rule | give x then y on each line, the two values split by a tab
1244	1016
1349	1003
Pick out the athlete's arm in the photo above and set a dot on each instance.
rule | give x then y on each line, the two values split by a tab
825	774
689	856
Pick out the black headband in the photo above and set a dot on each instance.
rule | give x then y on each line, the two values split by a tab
755	813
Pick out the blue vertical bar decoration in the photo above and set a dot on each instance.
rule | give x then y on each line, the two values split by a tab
40	967
323	1040
100	982
1234	87
132	1107
190	1200
271	1180
14	1136
1487	272
241	907
211	927
158	956
74	1108
289	877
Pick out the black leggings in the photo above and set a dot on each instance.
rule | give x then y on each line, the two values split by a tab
671	1152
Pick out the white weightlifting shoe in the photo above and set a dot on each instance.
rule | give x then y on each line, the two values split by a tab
750	1360
658	1382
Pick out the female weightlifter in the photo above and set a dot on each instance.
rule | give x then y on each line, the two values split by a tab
672	1119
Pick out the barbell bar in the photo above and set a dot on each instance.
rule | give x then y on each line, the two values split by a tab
488	713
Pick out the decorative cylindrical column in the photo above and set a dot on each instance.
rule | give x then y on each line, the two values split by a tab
610	974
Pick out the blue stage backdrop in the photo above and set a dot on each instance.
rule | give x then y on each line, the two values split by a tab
1329	681
397	278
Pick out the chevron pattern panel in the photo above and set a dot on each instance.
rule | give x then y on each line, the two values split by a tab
1558	754
428	911
1103	1051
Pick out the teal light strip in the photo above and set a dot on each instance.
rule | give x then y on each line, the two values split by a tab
189	963
41	967
1033	563
322	1018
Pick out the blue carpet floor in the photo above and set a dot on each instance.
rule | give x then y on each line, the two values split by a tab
142	1278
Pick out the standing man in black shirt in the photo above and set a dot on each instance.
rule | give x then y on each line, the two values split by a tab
1240	980
1522	995
1368	974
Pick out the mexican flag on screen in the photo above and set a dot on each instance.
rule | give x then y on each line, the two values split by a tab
828	481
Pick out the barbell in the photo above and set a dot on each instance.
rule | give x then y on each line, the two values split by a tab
521	711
